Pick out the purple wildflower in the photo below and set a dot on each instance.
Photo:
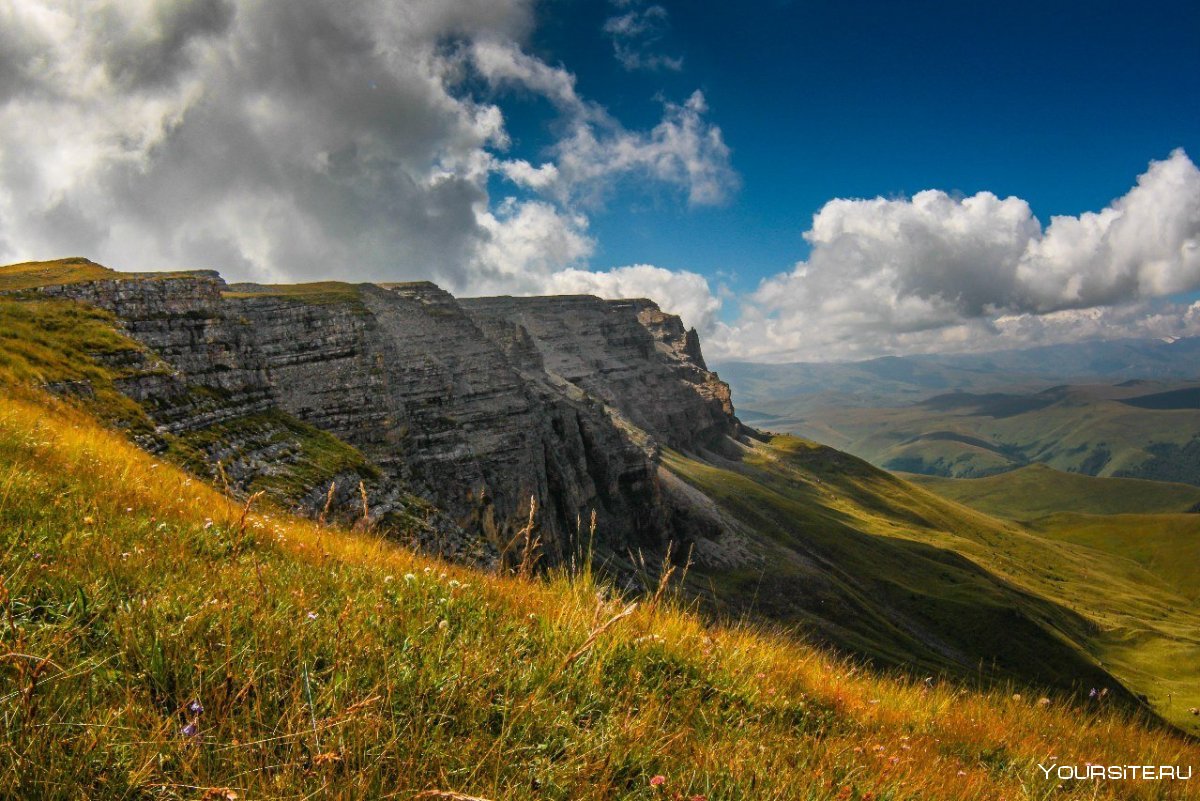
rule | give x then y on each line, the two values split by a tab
189	730
196	708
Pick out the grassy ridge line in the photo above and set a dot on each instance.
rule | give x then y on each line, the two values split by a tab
1037	490
317	292
336	663
34	274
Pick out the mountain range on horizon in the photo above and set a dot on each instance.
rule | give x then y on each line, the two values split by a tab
896	379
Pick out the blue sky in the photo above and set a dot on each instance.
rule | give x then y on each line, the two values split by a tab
1061	104
797	180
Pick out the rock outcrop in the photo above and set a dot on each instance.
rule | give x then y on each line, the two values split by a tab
477	406
629	354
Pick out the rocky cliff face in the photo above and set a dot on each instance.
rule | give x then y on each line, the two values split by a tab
628	354
478	406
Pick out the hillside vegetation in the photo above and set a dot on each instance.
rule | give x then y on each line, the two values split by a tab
1128	430
1155	524
874	563
1037	490
28	275
166	642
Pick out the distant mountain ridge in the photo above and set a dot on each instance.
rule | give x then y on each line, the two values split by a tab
892	380
1118	408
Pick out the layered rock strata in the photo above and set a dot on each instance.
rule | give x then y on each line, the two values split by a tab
478	406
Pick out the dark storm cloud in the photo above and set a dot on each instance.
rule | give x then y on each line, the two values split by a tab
159	51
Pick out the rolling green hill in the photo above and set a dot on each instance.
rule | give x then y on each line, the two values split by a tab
1166	545
859	541
1130	430
1155	524
1037	490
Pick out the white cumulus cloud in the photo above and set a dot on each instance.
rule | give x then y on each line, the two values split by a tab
938	272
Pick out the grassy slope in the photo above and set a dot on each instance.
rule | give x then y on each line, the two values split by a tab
339	664
1166	545
917	568
1037	490
76	348
1145	521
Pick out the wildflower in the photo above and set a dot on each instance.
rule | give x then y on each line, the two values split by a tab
87	521
388	579
219	794
409	578
1016	696
1043	701
962	773
312	615
443	625
196	708
658	781
1093	693
189	730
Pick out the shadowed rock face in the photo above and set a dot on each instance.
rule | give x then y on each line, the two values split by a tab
476	405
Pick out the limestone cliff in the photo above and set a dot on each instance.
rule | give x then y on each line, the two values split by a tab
476	406
627	353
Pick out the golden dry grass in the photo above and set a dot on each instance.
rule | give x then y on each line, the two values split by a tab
332	664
